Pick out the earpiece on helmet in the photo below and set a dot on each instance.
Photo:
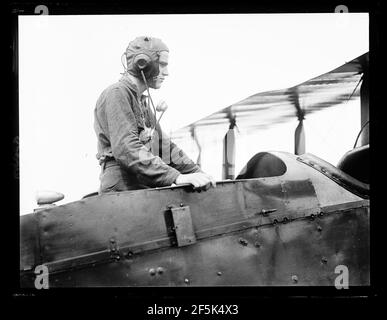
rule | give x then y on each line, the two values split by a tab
142	61
145	63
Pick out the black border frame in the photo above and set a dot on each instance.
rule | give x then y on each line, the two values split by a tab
245	296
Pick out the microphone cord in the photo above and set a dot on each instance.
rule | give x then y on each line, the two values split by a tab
149	97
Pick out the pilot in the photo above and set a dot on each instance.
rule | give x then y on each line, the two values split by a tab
133	151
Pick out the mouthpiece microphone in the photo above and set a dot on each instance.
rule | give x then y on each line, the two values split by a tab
161	106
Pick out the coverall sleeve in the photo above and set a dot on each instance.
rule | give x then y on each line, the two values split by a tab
126	146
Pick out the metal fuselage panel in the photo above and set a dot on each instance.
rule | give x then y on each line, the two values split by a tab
266	231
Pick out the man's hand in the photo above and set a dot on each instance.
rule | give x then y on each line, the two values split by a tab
198	180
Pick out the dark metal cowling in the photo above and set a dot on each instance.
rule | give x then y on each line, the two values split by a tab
294	229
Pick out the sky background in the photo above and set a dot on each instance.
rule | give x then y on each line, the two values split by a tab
215	60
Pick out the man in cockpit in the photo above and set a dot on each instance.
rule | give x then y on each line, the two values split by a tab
133	151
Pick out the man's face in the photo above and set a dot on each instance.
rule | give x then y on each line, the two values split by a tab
156	82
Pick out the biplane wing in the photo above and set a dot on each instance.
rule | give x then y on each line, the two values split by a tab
273	107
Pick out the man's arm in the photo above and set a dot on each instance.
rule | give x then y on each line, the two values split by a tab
127	148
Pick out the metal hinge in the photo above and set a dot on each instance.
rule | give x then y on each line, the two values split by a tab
182	226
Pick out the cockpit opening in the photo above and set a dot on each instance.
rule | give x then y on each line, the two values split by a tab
263	164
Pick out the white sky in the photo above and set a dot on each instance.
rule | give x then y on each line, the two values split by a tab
215	60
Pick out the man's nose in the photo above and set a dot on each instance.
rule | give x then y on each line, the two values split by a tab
165	71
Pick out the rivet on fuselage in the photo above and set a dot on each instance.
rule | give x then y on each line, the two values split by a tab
243	241
152	271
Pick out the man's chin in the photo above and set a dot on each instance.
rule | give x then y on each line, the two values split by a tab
155	85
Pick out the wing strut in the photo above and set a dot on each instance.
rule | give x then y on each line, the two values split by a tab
229	150
194	136
364	107
299	135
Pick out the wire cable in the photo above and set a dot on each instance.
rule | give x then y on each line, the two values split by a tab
358	136
125	66
355	88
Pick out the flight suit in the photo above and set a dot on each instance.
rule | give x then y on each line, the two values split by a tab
130	157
